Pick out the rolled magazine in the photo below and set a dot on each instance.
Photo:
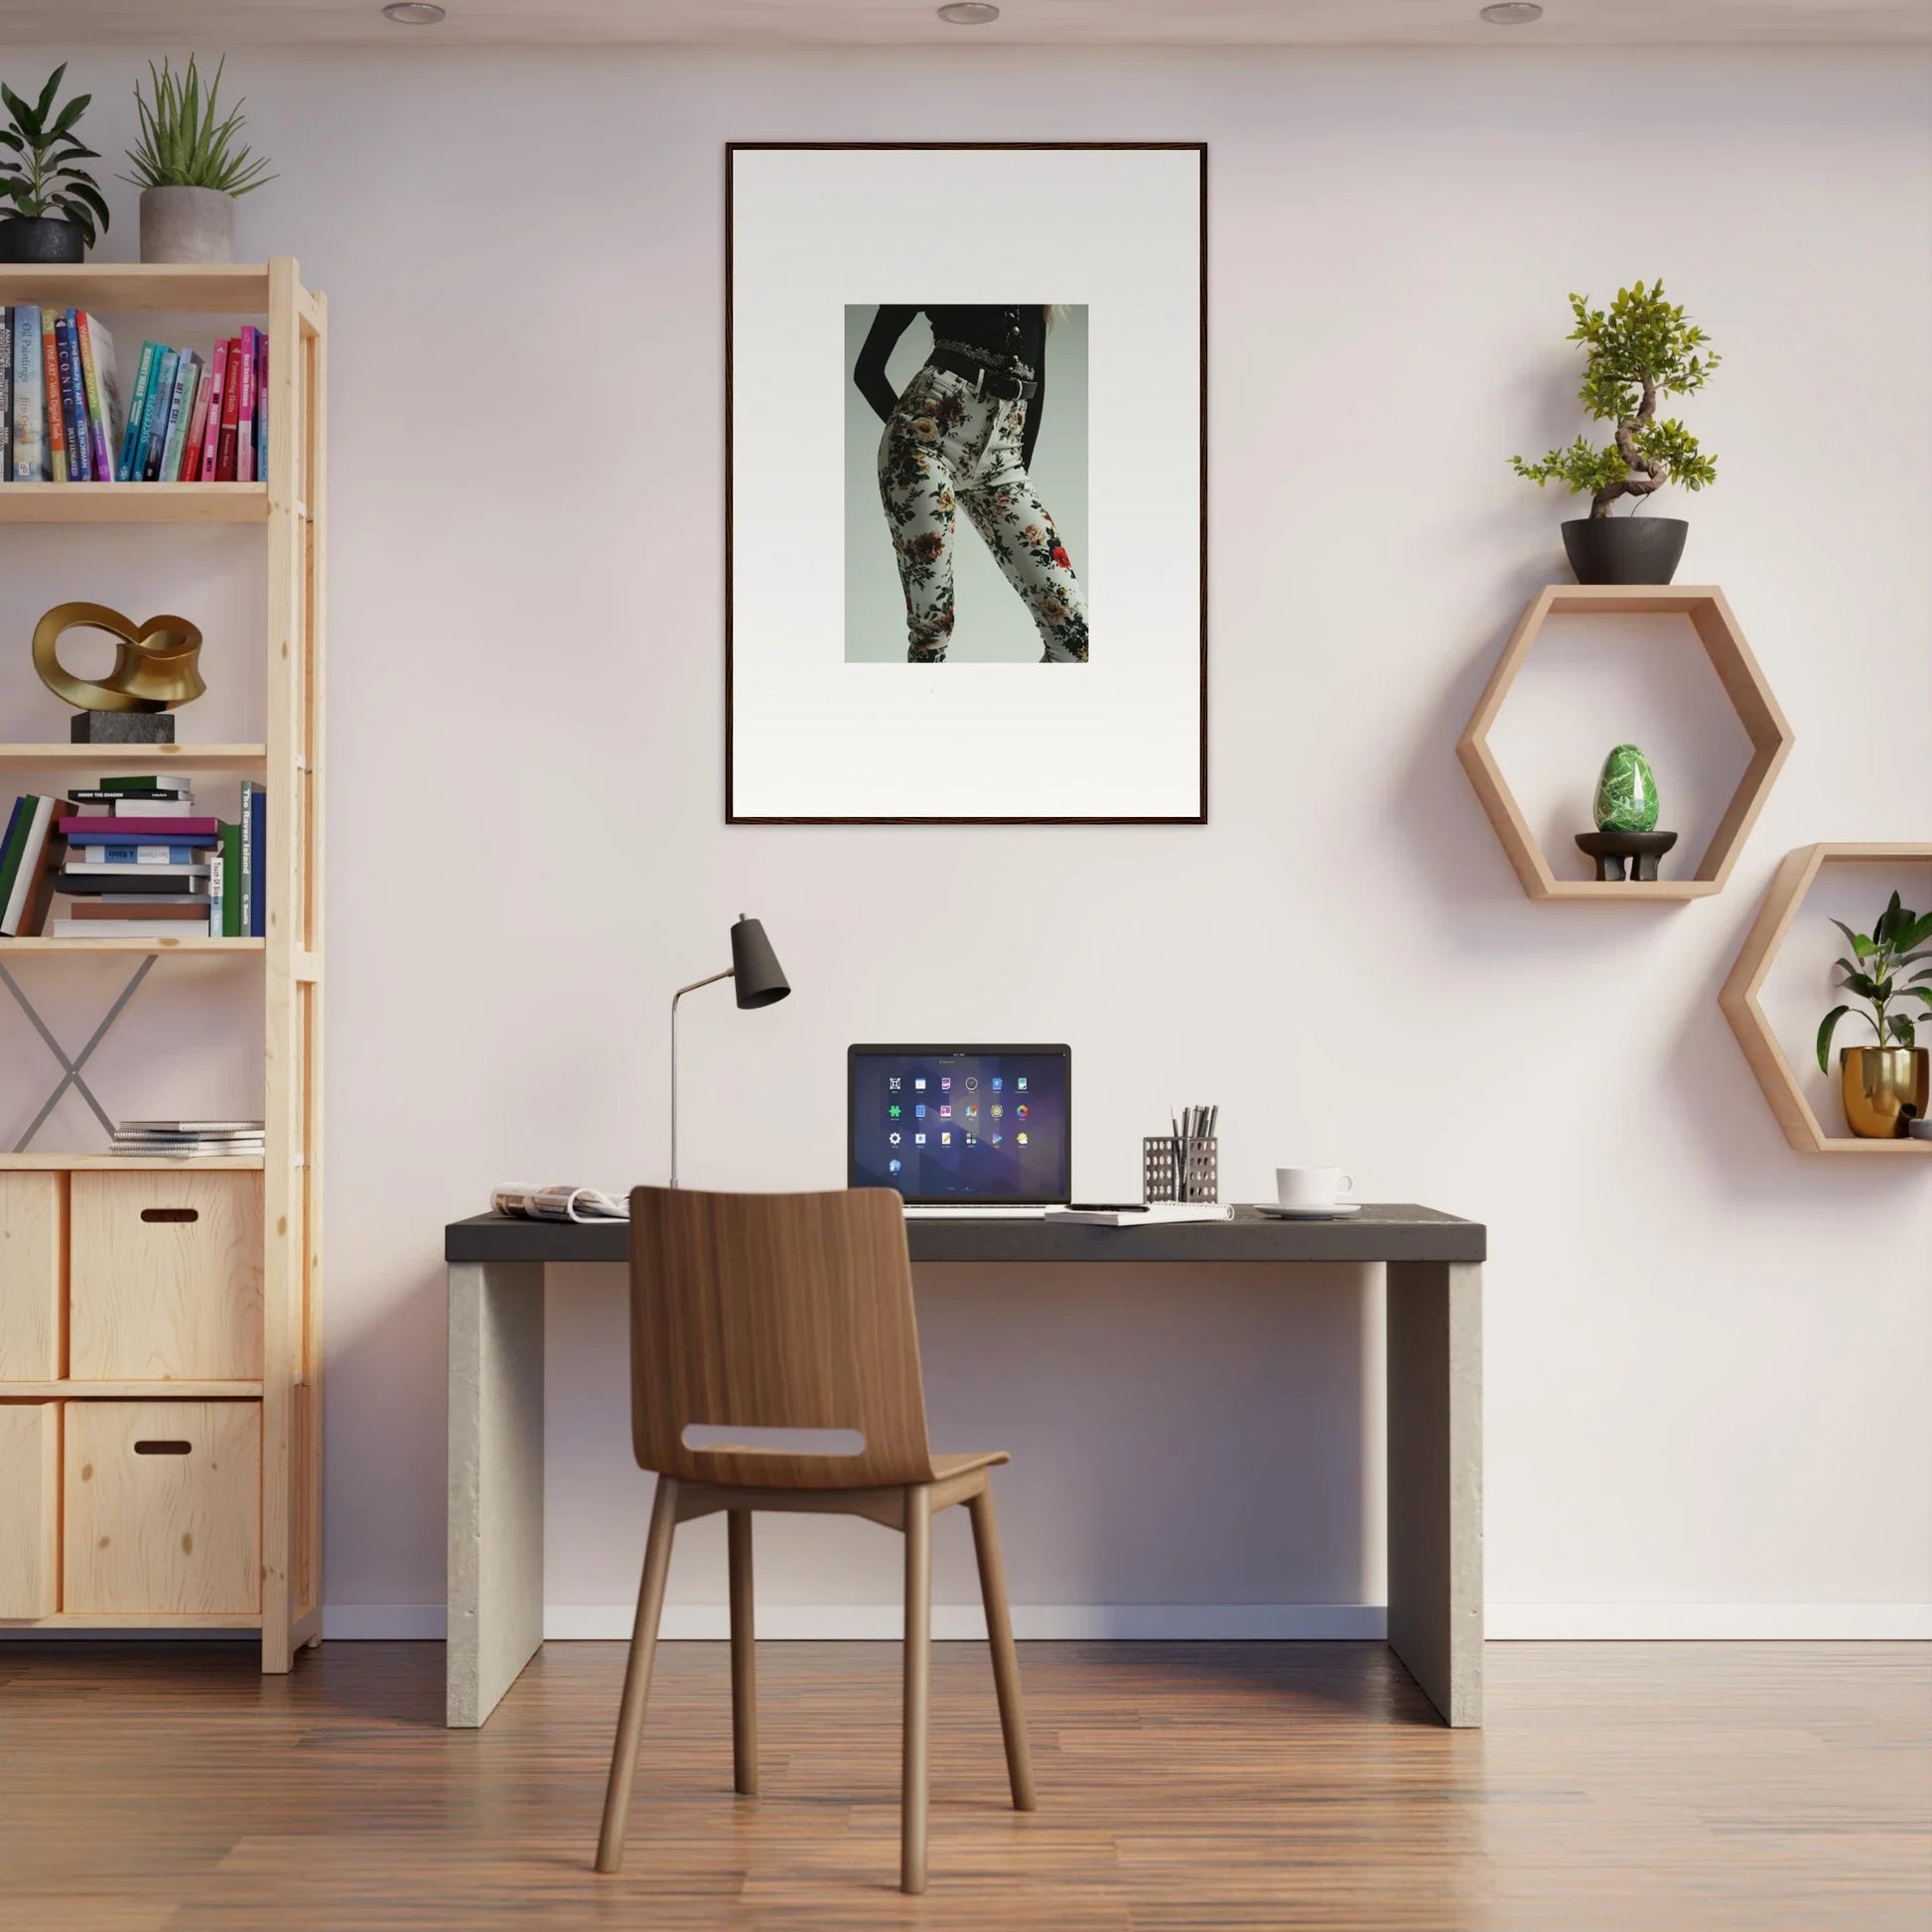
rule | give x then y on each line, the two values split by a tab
559	1203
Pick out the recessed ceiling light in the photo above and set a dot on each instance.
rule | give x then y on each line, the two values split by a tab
413	13
1512	13
969	13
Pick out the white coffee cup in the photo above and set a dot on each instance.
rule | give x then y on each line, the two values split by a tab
1311	1186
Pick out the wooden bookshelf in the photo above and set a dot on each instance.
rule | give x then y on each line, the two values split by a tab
53	1193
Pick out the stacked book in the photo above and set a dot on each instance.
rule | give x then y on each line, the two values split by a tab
189	418
136	861
188	1140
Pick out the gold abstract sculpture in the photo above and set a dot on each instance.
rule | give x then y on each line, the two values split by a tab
154	662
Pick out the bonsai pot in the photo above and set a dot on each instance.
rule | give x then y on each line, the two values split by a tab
1624	549
1884	1088
41	238
187	225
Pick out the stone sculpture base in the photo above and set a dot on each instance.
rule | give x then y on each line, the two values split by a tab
122	727
1611	850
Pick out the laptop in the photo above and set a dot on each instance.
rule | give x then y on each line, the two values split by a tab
962	1130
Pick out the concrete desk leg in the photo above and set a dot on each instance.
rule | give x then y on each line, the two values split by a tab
495	1620
1435	1331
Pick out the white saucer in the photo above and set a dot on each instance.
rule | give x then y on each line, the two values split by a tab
1270	1212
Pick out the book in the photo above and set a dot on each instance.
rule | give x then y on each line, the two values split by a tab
199	1128
6	395
255	846
261	405
134	855
33	877
102	381
154	431
114	804
228	890
121	929
57	429
17	822
74	408
180	831
244	469
137	408
149	781
168	882
179	410
230	415
217	369
190	466
30	441
140	905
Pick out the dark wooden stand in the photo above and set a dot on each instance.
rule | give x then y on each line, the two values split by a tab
1612	849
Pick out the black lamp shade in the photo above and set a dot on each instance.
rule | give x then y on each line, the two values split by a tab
757	976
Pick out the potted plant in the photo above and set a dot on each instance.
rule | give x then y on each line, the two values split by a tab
189	169
1885	1086
1640	350
51	211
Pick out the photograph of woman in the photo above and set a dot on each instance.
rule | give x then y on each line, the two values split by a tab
963	434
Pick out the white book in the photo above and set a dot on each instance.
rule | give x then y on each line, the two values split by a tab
129	930
1158	1214
122	867
181	807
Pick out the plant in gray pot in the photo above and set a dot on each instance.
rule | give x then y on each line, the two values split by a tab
189	168
51	211
1637	352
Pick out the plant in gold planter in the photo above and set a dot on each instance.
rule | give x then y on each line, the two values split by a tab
1637	350
1885	1085
189	168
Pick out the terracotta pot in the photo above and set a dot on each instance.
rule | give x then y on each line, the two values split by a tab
187	225
1884	1088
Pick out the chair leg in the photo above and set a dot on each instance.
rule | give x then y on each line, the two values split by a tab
1006	1660
636	1676
745	1668
919	1687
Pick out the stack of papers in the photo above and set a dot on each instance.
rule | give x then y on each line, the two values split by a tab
188	1140
1159	1215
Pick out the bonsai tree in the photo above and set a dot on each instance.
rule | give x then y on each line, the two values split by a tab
182	144
1637	350
37	178
1897	941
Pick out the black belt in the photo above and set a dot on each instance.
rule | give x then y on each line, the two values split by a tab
987	382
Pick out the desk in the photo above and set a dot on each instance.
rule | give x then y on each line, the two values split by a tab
1434	1403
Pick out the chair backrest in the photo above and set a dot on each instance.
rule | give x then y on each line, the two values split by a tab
774	1312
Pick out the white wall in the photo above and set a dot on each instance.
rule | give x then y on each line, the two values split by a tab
1708	1358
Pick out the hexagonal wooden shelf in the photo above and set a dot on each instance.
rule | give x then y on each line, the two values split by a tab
1738	997
1751	698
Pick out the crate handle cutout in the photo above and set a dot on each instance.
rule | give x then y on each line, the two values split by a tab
165	1445
171	1213
747	1440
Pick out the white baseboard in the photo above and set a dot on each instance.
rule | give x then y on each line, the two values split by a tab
1708	1622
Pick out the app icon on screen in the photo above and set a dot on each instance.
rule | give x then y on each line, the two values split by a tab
996	1083
945	1140
998	1110
945	1113
1021	1110
972	1080
892	1110
893	1166
892	1138
919	1110
891	1084
995	1139
971	1141
972	1113
919	1140
1020	1084
1021	1138
919	1083
945	1083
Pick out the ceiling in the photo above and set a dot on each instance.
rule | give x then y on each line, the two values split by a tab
1066	22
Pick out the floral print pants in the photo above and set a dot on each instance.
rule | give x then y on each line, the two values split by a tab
946	446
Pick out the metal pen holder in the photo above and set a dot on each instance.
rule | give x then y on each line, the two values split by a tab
1179	1170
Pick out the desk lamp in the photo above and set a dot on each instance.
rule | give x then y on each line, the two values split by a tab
759	981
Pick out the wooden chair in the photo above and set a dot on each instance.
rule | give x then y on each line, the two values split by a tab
794	1311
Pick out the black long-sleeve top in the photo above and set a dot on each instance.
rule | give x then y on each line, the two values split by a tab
980	327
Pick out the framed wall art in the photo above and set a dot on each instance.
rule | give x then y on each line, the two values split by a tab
966	482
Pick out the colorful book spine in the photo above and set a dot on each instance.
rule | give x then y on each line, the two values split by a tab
178	411
137	408
244	467
6	395
217	369
73	402
190	467
224	455
30	443
137	855
160	400
56	426
261	405
183	830
254	855
228	892
33	883
17	823
102	382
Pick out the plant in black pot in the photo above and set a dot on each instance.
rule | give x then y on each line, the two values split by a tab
1637	352
51	211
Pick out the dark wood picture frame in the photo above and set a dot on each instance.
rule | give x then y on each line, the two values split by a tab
734	148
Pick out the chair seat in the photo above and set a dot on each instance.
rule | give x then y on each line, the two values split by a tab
945	1466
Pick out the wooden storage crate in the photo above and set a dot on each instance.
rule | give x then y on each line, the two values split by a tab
33	1264
30	1508
166	1277
162	1510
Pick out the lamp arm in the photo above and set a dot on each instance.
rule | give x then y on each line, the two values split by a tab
711	980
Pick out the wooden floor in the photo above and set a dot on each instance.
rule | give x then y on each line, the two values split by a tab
1634	1788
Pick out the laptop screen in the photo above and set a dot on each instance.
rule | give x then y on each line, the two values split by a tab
962	1124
